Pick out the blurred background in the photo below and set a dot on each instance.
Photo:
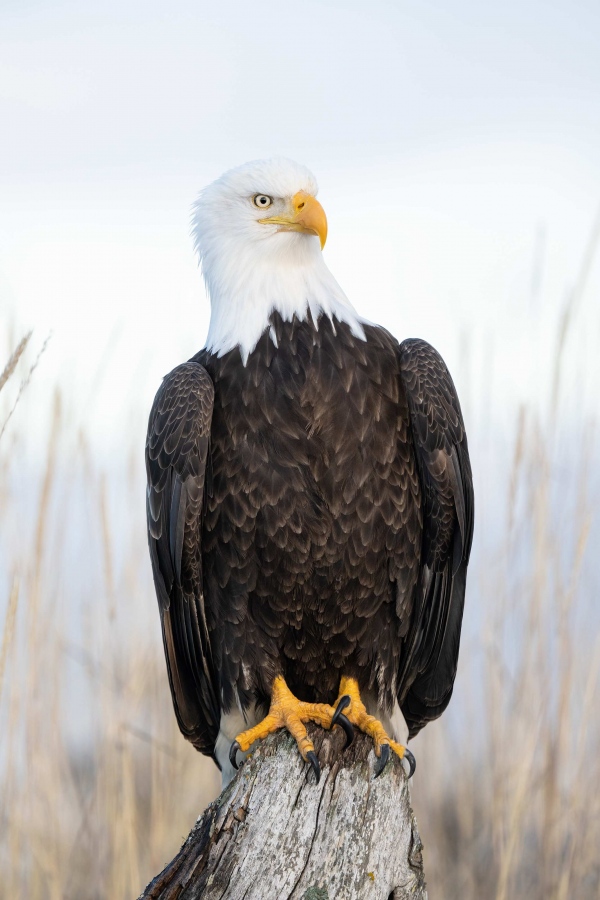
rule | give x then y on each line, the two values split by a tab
457	148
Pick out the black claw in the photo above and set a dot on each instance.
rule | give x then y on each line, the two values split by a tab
342	704
383	760
412	763
233	754
340	719
346	724
311	757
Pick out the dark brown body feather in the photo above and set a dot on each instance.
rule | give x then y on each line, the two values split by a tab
310	514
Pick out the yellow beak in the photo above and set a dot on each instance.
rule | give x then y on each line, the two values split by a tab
306	215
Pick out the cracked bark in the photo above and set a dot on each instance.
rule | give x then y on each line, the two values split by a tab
274	834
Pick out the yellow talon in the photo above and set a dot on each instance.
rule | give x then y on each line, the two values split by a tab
286	711
399	749
357	714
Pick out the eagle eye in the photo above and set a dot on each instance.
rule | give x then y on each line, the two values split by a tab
262	201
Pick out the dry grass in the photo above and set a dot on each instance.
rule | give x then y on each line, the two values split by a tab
98	788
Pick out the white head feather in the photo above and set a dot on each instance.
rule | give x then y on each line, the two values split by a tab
252	269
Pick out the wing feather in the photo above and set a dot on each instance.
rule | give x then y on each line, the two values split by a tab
177	455
431	650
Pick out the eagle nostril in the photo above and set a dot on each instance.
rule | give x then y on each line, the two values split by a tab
300	205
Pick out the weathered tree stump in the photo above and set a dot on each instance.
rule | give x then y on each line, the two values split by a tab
275	833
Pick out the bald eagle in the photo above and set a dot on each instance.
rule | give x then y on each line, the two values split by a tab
310	498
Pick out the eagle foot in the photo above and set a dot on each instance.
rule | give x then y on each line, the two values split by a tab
286	711
357	714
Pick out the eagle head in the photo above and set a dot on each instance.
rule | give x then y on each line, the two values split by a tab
254	204
259	231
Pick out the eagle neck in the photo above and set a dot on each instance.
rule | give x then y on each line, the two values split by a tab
243	298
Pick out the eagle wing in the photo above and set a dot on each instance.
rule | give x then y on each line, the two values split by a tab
177	451
430	657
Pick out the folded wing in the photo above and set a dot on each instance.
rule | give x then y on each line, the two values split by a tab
177	452
431	649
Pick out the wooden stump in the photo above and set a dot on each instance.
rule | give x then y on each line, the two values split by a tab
275	833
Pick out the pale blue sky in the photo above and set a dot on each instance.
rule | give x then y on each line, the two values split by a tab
151	86
449	140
